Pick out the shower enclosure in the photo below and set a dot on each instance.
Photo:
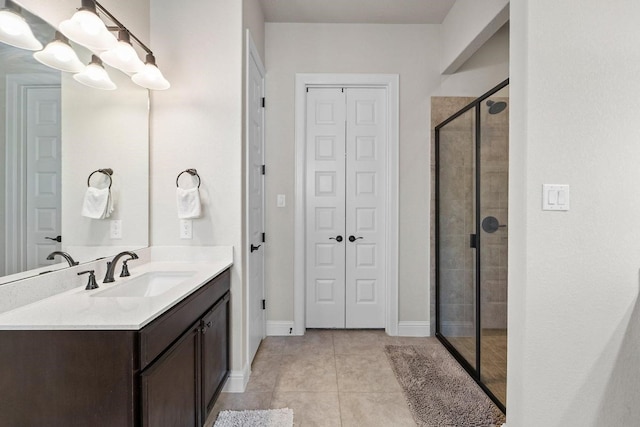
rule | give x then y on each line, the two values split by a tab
471	237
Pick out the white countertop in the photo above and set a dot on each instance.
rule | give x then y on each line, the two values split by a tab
79	309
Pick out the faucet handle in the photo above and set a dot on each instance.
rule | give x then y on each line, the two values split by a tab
125	269
108	279
92	280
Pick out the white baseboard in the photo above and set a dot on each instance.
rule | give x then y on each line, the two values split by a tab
237	380
279	328
414	329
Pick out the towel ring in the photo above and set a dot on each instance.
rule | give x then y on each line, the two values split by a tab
108	172
191	172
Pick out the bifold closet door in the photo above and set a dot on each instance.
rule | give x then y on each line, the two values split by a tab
345	207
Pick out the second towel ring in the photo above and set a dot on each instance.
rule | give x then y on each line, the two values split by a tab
191	172
108	172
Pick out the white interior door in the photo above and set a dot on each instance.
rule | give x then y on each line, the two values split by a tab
325	189
255	195
365	208
345	207
43	148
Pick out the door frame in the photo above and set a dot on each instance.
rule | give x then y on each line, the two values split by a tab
252	55
390	82
15	195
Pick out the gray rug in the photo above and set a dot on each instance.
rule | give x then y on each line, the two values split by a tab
257	418
439	391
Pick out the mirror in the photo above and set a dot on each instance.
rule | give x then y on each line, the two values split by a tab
54	132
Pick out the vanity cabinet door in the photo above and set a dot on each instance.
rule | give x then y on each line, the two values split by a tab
215	352
171	385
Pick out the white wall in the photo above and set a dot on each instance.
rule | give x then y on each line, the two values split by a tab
487	67
198	124
408	50
467	26
574	320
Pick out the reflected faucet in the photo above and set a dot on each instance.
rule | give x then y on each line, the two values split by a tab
64	255
111	265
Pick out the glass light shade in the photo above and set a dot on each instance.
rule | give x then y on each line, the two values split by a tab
95	76
15	31
150	77
87	29
123	56
58	54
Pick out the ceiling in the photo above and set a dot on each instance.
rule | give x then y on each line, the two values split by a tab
357	11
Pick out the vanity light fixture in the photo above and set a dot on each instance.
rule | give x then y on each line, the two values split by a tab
86	28
60	55
14	29
150	77
95	76
123	56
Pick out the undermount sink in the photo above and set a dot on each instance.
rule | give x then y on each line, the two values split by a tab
147	285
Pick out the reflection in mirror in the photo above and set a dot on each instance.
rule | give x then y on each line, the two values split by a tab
54	132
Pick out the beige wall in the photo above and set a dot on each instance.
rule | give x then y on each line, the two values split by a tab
342	48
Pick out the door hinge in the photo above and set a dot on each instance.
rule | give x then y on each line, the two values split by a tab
264	304
264	169
263	102
263	238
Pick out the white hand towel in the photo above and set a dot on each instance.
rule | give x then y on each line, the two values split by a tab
188	202
97	203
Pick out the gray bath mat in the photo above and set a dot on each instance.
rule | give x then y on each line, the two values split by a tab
438	390
257	418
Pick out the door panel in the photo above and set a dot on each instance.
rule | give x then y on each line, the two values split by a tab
365	207
325	191
43	150
255	118
346	193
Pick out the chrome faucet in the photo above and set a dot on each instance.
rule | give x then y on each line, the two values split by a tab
64	255
111	265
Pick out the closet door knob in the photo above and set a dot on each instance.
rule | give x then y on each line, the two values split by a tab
337	238
354	238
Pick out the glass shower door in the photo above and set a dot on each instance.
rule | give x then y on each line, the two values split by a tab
456	269
494	193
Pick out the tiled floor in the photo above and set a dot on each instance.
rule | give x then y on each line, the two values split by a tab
494	358
328	377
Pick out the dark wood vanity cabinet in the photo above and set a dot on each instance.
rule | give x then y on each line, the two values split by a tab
167	374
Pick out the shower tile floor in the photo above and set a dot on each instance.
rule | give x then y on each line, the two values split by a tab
494	358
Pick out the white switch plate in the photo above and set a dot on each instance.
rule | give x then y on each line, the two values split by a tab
115	229
281	201
186	229
555	197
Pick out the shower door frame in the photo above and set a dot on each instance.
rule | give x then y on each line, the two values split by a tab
475	373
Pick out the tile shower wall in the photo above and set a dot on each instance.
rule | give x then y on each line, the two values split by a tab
457	218
457	263
494	176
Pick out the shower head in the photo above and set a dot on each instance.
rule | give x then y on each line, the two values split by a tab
496	107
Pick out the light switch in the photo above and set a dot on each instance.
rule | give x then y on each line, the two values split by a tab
555	197
280	201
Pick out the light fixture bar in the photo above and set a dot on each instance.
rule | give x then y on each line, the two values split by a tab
120	26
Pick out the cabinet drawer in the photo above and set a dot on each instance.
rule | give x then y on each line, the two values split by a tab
159	334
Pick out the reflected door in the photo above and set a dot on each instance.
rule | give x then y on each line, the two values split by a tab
43	148
346	223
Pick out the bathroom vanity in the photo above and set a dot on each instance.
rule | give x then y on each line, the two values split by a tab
83	358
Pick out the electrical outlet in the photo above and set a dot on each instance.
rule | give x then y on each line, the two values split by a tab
186	229
115	229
